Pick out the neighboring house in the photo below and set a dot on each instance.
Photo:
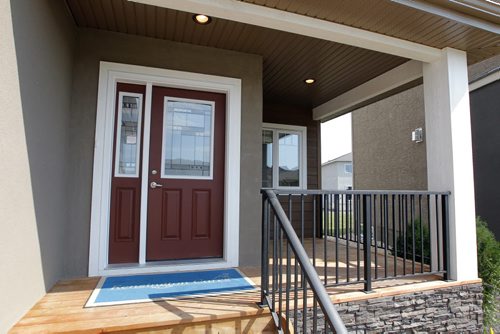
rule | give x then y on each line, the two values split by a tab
132	136
336	174
404	161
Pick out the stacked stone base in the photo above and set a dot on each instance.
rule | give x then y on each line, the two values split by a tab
456	309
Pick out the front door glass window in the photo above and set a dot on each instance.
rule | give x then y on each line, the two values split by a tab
187	139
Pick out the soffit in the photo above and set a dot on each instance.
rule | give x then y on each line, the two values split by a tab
287	58
392	19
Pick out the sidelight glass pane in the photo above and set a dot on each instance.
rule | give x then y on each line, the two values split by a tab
267	159
128	136
288	157
187	139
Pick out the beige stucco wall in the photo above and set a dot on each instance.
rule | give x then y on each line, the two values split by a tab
384	156
95	46
36	63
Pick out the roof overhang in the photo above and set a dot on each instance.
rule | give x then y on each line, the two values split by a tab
299	24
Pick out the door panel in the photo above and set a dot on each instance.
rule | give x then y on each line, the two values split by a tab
187	152
126	180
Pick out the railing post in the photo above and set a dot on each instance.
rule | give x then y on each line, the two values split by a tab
264	279
446	236
367	228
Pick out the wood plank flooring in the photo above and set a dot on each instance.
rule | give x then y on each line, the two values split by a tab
62	309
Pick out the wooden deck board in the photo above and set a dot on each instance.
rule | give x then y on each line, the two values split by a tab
62	309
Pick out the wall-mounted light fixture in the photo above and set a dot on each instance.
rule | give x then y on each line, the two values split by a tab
417	135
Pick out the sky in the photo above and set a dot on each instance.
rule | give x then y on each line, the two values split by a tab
336	138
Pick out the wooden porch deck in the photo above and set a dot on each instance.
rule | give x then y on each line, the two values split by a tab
62	309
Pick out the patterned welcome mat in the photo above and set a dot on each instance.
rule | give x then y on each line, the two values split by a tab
144	288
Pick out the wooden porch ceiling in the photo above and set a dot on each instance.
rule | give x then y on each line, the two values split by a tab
289	58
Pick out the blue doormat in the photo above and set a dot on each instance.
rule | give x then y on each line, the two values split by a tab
145	288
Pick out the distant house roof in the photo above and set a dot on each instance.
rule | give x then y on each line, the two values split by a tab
343	158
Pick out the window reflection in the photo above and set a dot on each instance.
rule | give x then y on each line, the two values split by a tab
187	139
128	142
288	160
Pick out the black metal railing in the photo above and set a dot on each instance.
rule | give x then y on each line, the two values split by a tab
291	288
351	237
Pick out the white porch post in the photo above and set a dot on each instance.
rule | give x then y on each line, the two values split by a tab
449	154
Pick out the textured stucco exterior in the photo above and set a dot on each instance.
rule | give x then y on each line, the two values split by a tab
36	58
485	119
95	46
384	156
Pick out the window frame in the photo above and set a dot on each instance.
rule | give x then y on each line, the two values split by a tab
345	168
301	131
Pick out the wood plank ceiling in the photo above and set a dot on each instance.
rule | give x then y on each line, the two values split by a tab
288	58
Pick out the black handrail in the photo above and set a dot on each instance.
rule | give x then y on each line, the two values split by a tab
308	271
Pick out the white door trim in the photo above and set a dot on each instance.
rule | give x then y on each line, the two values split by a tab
109	75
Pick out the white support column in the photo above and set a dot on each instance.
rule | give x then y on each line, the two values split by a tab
449	154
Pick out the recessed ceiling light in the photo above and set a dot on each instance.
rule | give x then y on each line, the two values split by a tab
202	19
309	81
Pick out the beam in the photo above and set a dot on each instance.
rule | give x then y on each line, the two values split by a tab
452	15
300	24
365	93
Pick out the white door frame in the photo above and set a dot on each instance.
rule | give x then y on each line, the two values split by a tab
109	75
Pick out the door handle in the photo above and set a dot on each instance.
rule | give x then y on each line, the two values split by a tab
154	185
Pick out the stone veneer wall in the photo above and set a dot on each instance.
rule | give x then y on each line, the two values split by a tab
456	309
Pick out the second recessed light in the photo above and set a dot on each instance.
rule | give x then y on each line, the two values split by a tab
309	81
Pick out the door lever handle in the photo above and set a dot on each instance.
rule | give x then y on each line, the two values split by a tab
155	185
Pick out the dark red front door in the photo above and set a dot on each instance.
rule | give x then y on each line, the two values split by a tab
186	175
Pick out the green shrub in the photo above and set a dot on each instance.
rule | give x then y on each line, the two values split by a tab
488	257
420	230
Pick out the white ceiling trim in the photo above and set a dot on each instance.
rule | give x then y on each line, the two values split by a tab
384	83
299	24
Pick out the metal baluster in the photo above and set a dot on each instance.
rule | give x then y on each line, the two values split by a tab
280	273
367	202
302	228
430	229
315	315
394	245
325	237
413	250
265	251
336	233
314	231
438	234
295	296
422	255
405	222
357	218
374	222
386	231
275	261
446	231
288	282
347	239
304	301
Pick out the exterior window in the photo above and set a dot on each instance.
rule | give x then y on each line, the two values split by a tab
128	135
187	139
348	168
283	156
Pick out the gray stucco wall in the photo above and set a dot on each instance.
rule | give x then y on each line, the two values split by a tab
384	156
485	119
37	40
94	46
